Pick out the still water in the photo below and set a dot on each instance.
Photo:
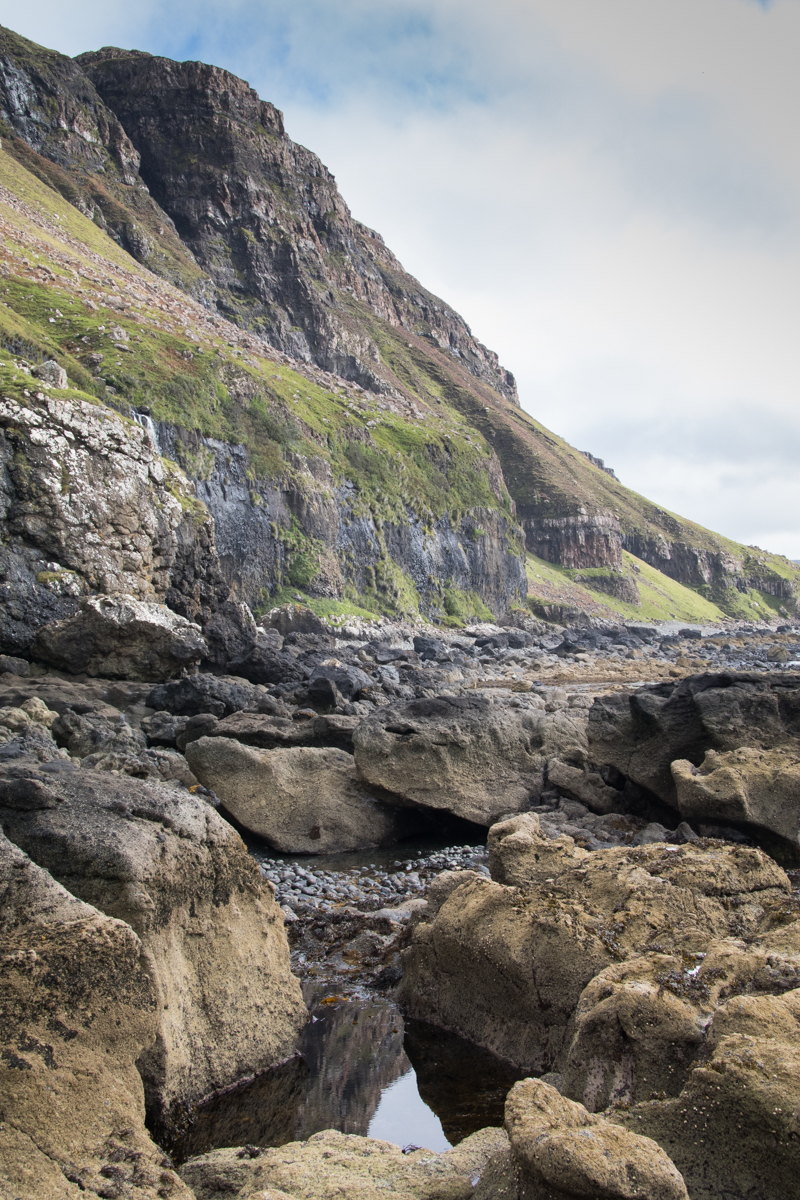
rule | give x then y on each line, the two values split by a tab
360	1069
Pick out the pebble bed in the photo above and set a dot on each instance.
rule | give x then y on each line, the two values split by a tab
301	887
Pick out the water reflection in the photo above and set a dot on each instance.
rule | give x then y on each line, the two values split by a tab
359	1070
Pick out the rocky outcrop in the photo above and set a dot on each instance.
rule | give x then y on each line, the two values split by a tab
212	938
78	1009
120	637
465	755
264	218
58	127
302	801
336	1164
89	506
563	916
714	747
561	1151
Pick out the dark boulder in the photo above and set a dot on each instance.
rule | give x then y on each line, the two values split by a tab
219	695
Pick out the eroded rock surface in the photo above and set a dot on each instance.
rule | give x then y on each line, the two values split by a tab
465	755
121	637
306	800
212	936
77	1009
336	1164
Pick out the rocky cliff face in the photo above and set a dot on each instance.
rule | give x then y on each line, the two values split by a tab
199	181
265	220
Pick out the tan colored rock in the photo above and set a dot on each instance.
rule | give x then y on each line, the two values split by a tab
586	786
212	936
755	786
562	1151
505	966
120	637
462	754
303	800
735	1128
333	1165
76	1010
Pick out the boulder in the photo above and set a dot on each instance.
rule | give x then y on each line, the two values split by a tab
121	637
89	733
475	759
219	695
746	786
294	618
212	936
505	964
77	1009
304	800
339	1164
329	683
51	373
642	734
563	1152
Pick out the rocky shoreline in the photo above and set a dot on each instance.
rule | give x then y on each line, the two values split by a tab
625	885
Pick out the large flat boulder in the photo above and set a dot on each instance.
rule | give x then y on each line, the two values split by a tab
213	941
303	800
332	1164
466	755
748	786
120	637
77	1009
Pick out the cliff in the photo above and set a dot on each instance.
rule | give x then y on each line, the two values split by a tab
349	437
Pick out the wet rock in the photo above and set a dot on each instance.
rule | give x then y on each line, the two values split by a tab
304	800
462	754
121	637
78	1009
212	936
561	1151
218	695
337	1164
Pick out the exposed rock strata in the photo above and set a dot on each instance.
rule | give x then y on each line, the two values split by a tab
89	506
212	936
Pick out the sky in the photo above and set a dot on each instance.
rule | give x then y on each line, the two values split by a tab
607	191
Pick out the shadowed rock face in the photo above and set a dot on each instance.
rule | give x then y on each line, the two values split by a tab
212	936
264	218
714	747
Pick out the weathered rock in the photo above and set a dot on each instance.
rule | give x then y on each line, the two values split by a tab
121	637
475	759
76	1011
642	734
89	506
294	618
219	695
84	734
328	683
302	801
14	666
22	735
269	733
231	632
565	916
562	1152
51	373
333	1164
162	728
733	1131
212	936
747	786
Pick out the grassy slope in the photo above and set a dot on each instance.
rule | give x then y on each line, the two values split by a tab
69	292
